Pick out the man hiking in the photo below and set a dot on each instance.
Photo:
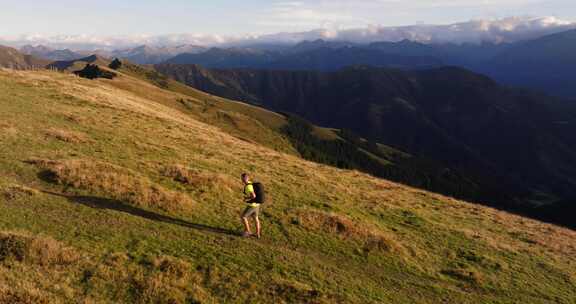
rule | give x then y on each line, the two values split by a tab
253	207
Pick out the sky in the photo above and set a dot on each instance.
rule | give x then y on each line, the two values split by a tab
232	17
34	20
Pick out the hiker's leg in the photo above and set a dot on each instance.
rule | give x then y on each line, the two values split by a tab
258	228
246	225
257	220
244	217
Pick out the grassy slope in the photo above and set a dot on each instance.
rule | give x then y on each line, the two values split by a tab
330	235
238	119
268	118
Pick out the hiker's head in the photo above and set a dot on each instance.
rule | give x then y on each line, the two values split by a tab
245	178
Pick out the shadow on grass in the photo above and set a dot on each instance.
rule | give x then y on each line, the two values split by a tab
110	204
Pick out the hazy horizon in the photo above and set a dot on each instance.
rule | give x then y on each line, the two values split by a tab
510	29
224	17
108	24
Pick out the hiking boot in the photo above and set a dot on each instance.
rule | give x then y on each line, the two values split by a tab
246	234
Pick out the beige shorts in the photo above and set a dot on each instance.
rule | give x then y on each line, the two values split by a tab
253	211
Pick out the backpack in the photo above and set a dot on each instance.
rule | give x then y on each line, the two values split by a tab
260	194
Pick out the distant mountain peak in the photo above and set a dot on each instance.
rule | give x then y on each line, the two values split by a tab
149	54
13	58
29	49
48	53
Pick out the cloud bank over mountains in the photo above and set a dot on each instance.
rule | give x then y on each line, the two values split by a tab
475	31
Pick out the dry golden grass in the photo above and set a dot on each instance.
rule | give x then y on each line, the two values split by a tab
173	267
159	288
129	94
373	239
7	129
43	251
117	183
47	251
13	192
67	136
200	178
41	163
282	291
164	279
385	194
467	275
10	295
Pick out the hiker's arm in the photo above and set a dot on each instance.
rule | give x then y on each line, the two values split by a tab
250	196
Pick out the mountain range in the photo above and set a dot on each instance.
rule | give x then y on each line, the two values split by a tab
230	57
543	64
546	64
47	53
145	54
305	56
141	54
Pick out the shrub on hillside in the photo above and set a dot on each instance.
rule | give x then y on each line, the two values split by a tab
93	71
28	296
170	280
347	229
116	183
67	136
199	178
115	64
466	275
284	291
14	192
35	250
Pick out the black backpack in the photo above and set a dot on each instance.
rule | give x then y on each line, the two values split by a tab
260	194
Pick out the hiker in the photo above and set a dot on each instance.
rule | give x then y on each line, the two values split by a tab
254	197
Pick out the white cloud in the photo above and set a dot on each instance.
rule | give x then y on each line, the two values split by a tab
475	31
299	15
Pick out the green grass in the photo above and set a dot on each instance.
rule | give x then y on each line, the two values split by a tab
321	226
244	121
